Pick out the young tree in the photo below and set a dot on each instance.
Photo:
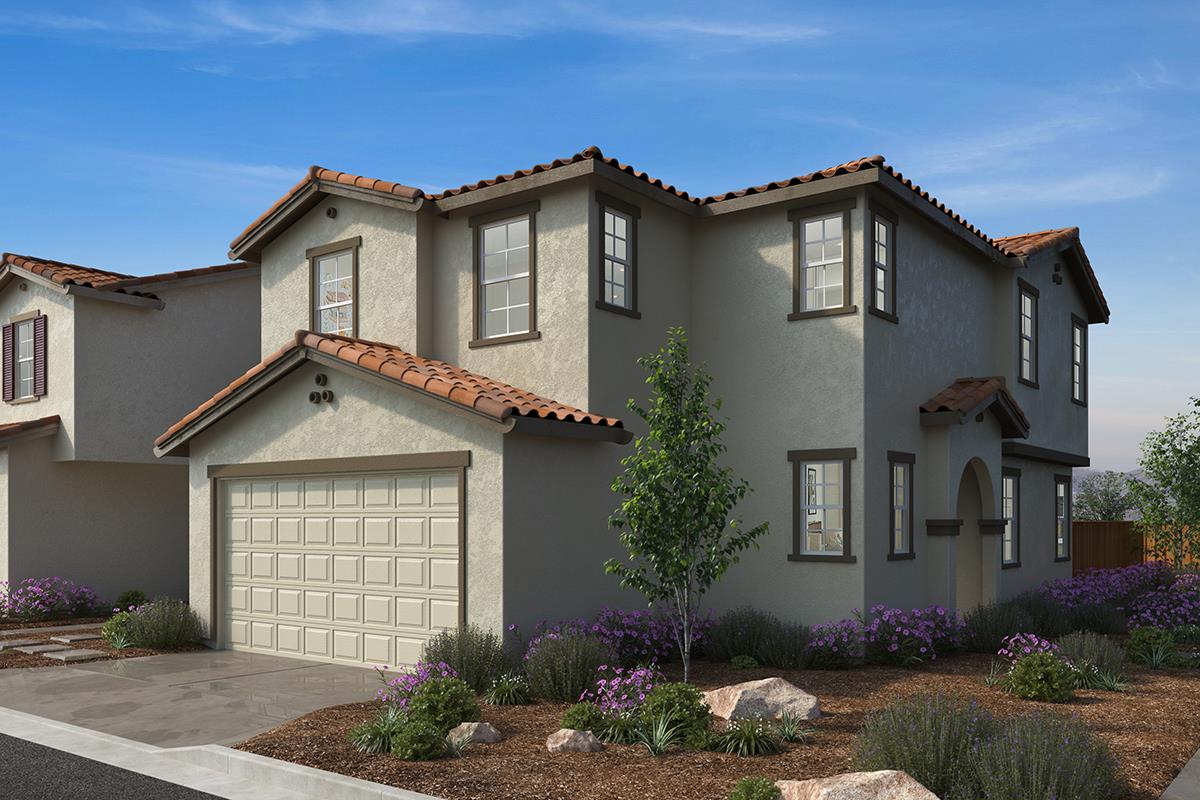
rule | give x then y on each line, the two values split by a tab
1104	495
675	520
1168	496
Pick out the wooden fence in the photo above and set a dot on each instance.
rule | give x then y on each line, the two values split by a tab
1104	545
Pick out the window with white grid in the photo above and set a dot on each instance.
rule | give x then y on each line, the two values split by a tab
335	293
504	278
822	272
822	507
618	259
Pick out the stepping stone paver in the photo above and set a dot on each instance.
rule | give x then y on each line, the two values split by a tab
41	649
11	644
67	638
70	656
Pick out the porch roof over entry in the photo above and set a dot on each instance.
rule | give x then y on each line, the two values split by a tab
466	391
969	396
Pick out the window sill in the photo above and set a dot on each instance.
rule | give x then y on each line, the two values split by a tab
1064	559
824	312
1010	565
1081	403
878	312
20	401
901	556
833	559
1030	384
514	337
625	312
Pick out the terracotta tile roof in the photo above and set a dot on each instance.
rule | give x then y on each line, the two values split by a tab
14	429
1026	244
967	395
467	389
182	274
62	273
850	167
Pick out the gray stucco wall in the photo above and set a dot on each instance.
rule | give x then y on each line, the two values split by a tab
365	419
112	526
1037	506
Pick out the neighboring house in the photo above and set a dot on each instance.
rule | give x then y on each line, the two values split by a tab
906	395
95	363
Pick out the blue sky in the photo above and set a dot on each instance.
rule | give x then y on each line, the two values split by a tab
143	137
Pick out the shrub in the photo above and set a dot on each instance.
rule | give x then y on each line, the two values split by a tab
743	662
1116	586
1020	645
1167	606
561	667
164	623
583	717
1103	618
931	737
1040	676
750	737
399	690
618	690
509	689
1092	649
755	789
130	597
1041	756
1047	616
895	636
988	626
375	737
35	599
444	703
657	734
476	655
418	739
635	637
790	727
836	645
1187	634
786	645
626	728
683	704
740	632
115	630
1154	647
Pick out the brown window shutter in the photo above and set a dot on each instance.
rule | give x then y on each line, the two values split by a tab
39	356
9	363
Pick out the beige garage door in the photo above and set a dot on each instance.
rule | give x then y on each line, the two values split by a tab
349	568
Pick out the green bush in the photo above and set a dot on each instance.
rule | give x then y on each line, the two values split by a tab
164	623
115	630
1041	676
583	717
443	703
626	728
1042	756
750	737
931	737
130	597
509	689
683	704
1187	634
1095	661
784	645
987	626
755	789
1047	617
743	662
475	654
1098	618
1154	647
418	739
375	737
562	668
739	633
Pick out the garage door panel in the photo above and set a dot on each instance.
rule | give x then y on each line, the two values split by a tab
351	568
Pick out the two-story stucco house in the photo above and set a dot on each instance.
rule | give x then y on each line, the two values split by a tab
907	397
95	364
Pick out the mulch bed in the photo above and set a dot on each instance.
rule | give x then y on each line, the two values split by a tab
1152	731
51	623
11	659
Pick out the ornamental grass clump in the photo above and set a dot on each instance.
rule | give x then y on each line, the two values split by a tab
1095	662
895	636
37	599
562	666
1154	647
988	626
510	689
740	632
163	624
1043	756
749	737
476	656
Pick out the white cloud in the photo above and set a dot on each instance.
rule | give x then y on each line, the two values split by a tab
187	172
1086	188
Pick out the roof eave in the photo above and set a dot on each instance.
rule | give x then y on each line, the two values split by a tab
926	208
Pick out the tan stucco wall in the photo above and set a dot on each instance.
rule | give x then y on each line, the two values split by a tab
112	526
365	419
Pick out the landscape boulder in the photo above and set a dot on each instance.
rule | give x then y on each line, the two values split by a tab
764	699
476	733
887	784
571	741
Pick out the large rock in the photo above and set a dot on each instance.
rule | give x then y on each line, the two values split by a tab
887	784
476	733
767	698
570	741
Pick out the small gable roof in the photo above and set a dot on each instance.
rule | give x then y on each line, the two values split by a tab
968	396
67	275
1026	245
29	428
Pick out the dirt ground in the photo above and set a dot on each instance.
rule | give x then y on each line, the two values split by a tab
11	659
1153	731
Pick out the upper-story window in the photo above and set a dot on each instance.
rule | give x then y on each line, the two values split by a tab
505	276
883	266
618	255
901	468
1062	517
335	287
1078	360
1027	333
821	505
25	358
822	261
1010	502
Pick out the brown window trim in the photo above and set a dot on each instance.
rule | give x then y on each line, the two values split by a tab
476	224
1064	480
1080	323
313	254
897	457
890	216
9	367
1024	287
1012	472
635	214
798	457
797	216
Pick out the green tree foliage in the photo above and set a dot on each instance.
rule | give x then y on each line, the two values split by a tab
675	519
1103	496
1168	496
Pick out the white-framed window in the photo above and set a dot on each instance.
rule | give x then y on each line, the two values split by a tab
822	269
1010	507
1062	518
822	506
1078	360
504	277
335	293
1027	336
902	516
24	359
884	262
618	259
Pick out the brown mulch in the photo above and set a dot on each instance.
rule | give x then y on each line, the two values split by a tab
1152	732
11	659
50	623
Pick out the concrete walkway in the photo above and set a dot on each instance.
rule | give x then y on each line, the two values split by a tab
1186	785
182	699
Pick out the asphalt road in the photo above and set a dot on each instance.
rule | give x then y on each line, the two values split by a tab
32	772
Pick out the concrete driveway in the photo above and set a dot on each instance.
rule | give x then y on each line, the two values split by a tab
183	699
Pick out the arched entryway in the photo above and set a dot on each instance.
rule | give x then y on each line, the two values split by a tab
974	578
